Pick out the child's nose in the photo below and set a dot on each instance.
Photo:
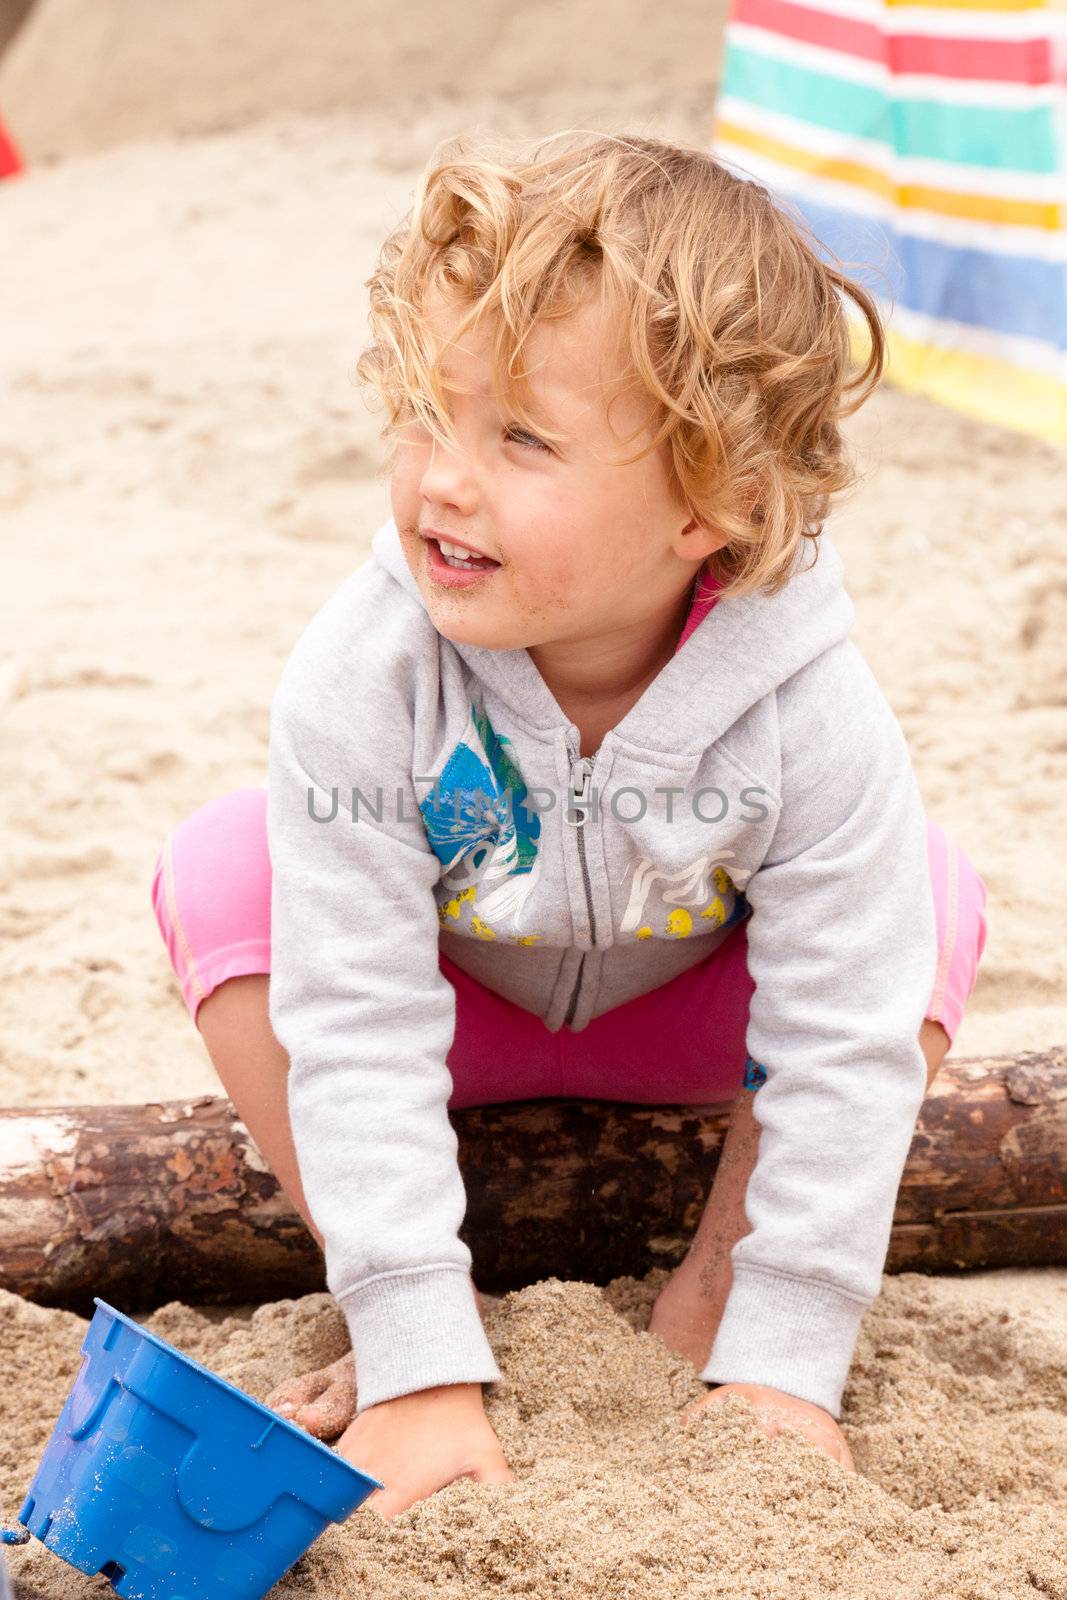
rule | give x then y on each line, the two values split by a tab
450	479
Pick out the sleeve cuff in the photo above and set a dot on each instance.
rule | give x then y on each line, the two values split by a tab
789	1333
414	1330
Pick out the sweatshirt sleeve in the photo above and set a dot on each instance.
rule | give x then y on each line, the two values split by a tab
842	948
358	1001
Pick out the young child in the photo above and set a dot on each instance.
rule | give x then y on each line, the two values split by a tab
579	787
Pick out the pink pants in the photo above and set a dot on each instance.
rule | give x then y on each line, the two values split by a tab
681	1044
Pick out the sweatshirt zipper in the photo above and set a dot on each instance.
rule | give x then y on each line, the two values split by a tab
581	779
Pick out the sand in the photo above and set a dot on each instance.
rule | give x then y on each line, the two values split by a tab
186	472
957	1418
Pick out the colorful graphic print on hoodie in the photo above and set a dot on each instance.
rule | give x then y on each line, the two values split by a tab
481	829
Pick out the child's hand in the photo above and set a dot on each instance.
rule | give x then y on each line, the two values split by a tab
324	1401
418	1442
778	1412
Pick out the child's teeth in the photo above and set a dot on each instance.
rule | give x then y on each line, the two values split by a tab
455	552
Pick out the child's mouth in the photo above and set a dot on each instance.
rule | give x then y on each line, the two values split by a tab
453	573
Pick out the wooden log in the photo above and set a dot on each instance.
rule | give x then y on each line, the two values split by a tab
146	1203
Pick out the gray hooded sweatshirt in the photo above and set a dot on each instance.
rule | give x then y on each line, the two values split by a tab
428	796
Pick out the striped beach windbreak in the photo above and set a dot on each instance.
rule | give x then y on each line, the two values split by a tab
926	147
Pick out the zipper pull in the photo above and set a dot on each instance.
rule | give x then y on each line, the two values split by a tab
581	798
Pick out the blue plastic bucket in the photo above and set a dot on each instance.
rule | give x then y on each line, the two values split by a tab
174	1484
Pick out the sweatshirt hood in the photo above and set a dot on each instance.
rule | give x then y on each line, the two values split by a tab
742	651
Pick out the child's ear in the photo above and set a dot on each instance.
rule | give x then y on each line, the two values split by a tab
697	540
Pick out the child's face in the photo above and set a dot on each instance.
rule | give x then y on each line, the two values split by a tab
587	549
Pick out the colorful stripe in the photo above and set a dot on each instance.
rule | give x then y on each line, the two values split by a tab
925	148
1040	20
991	208
1007	139
983	6
1011	294
1025	60
978	386
1005	293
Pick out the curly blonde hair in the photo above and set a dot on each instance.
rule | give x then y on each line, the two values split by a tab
732	321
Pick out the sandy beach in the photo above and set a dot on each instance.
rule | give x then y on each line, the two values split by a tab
187	471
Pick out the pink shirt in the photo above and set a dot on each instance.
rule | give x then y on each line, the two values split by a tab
706	592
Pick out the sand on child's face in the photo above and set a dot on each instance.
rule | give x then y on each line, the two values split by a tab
955	1411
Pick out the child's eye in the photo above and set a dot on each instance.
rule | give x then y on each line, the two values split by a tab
522	437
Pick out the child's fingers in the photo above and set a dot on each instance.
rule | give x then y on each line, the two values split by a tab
289	1396
309	1385
330	1414
324	1425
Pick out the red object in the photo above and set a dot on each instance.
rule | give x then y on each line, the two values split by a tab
1001	60
11	161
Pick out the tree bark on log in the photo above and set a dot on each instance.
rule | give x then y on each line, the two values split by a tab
141	1204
